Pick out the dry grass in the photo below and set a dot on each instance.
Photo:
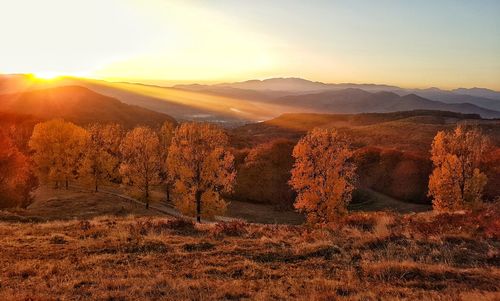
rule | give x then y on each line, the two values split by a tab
375	256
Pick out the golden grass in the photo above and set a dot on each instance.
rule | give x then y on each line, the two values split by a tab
372	257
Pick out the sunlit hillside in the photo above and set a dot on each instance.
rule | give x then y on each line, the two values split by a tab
80	105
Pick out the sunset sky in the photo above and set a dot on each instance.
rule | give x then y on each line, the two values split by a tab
408	43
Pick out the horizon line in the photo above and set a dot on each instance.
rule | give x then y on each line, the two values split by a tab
218	81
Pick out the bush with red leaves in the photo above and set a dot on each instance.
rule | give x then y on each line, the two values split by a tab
484	222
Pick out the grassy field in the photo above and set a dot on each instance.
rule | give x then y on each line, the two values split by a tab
76	245
81	203
75	203
376	256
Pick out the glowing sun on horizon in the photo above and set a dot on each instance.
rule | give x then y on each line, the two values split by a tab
47	75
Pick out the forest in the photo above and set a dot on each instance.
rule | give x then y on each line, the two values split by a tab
200	167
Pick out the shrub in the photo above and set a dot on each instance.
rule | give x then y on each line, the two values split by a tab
232	228
180	224
361	221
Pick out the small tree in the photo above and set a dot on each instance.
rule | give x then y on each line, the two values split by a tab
99	163
58	150
456	181
166	133
323	175
202	168
141	160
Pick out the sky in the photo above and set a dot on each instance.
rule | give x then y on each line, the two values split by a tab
414	44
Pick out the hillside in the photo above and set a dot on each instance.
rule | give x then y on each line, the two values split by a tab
378	256
383	128
79	105
391	149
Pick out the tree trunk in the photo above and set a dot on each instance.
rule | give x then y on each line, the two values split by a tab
147	197
168	193
198	206
67	184
96	186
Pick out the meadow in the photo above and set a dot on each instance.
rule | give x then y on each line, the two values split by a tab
137	254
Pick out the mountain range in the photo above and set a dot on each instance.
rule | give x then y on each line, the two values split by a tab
233	104
276	87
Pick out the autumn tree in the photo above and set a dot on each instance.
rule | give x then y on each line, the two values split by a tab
17	180
323	175
165	134
202	169
456	181
58	149
140	166
100	161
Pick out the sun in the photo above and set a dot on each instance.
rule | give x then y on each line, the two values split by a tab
47	75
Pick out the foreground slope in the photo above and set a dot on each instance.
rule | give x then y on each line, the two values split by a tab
372	257
79	105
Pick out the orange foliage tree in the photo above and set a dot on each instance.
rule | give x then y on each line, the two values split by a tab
166	133
58	149
323	175
17	180
140	167
202	168
100	161
456	181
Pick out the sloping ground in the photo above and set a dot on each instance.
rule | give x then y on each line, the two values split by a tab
61	204
378	202
79	105
372	257
263	213
80	203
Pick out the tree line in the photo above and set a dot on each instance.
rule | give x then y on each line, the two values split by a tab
194	163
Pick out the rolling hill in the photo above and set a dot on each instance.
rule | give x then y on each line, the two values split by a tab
368	129
392	150
79	105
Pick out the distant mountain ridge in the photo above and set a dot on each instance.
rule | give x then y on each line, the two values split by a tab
360	101
276	87
233	104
